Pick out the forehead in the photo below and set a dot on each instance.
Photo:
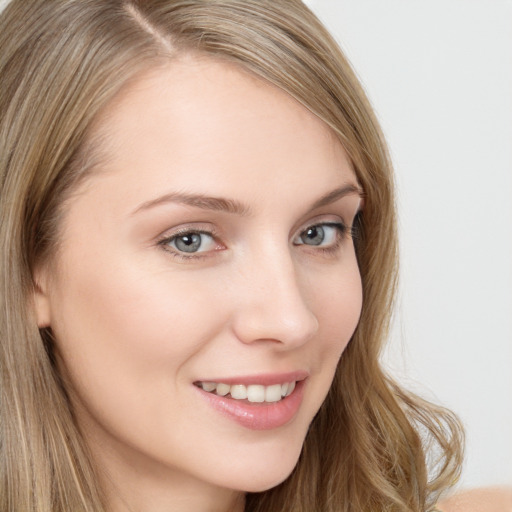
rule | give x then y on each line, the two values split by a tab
210	125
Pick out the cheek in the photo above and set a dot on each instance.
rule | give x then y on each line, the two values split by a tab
338	304
127	331
132	317
125	339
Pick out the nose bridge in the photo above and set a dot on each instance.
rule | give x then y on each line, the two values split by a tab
274	306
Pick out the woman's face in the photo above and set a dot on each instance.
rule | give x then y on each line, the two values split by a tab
209	257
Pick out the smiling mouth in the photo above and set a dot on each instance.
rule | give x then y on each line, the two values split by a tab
254	393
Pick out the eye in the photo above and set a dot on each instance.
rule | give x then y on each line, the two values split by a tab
190	242
321	235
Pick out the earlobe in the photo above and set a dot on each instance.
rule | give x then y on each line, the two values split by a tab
41	304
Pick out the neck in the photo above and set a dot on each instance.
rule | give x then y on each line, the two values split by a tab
141	501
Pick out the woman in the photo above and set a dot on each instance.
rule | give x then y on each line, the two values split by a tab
198	268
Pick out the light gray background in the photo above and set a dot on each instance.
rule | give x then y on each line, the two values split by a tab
439	74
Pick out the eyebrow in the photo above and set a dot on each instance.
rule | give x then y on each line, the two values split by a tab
217	204
222	204
336	194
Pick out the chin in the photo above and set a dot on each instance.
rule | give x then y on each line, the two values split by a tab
264	482
266	473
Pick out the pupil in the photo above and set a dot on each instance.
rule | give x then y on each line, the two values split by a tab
315	235
189	243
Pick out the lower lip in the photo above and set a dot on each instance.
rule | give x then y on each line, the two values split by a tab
258	416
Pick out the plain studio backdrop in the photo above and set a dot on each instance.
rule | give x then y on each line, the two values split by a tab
439	74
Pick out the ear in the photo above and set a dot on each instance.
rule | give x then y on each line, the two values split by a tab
41	300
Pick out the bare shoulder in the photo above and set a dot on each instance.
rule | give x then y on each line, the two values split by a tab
490	499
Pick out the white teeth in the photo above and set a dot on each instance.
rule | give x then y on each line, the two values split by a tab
239	391
253	393
273	393
209	386
223	389
256	393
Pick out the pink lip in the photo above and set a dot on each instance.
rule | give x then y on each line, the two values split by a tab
267	379
257	416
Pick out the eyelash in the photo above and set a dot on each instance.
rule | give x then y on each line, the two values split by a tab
343	232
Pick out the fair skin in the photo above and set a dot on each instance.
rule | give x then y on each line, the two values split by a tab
155	292
492	499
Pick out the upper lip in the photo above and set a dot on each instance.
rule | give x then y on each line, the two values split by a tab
264	379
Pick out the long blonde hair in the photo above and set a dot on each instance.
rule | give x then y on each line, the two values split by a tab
372	446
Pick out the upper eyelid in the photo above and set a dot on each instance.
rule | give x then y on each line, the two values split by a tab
208	229
332	223
185	229
319	220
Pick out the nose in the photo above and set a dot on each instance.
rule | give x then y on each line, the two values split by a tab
272	305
